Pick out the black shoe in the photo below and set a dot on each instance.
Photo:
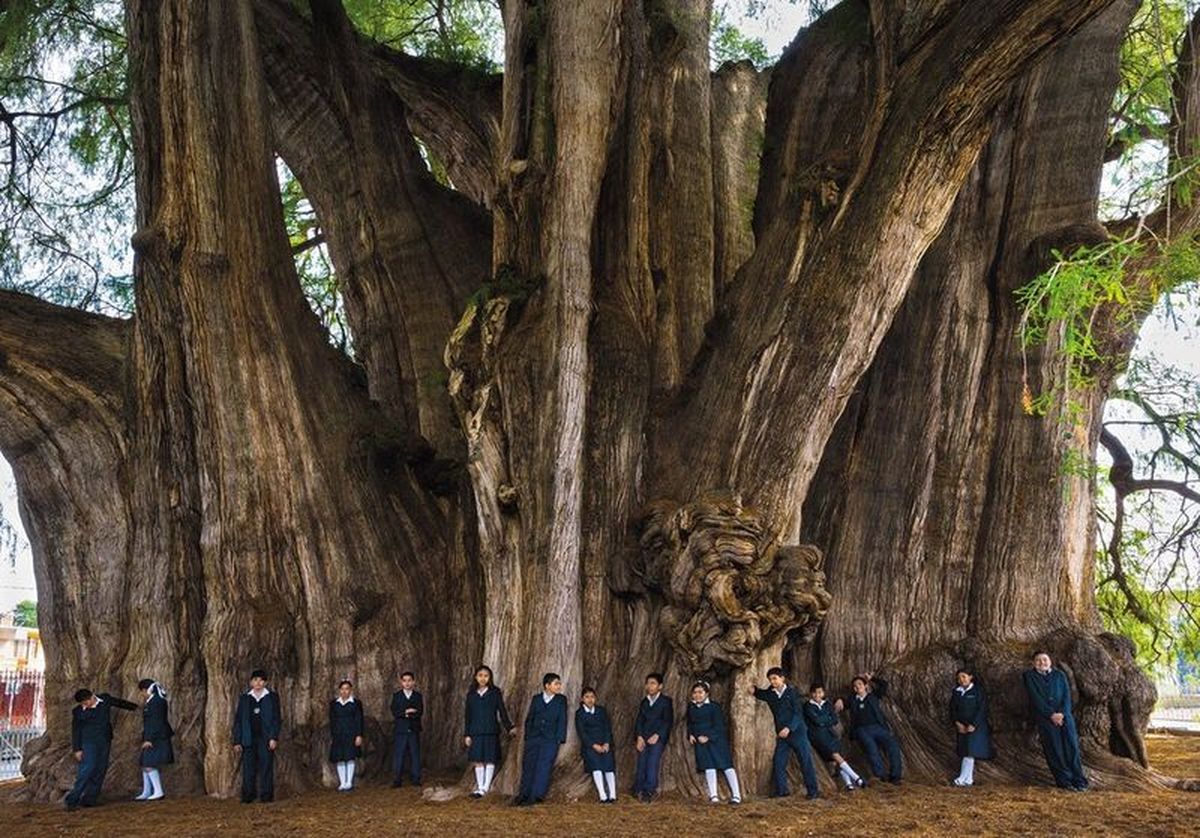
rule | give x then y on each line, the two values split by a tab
416	784
247	799
266	800
517	801
475	795
396	784
71	805
895	781
813	795
735	801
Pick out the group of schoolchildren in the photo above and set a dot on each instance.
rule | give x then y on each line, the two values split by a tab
799	724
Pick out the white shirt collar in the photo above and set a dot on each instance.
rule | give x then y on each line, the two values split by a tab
345	701
702	703
961	690
256	695
779	693
820	703
547	697
653	698
587	709
407	693
99	701
482	690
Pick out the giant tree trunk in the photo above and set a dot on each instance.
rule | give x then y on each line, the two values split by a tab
648	336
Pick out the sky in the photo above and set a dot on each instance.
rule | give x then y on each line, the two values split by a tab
776	24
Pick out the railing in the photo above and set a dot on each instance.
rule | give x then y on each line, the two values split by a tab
22	716
1177	711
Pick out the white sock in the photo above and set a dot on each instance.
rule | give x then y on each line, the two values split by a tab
611	777
341	770
732	780
848	774
598	779
156	784
489	771
146	787
479	786
966	774
350	773
710	777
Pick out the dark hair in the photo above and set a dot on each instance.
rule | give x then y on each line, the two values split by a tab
776	670
145	683
704	685
962	670
657	676
408	674
587	690
862	678
82	694
549	678
1041	652
346	682
815	685
259	673
483	668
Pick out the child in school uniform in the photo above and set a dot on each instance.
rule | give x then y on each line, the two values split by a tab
655	718
484	716
822	719
156	739
968	710
545	731
707	734
257	722
871	727
91	744
345	734
596	745
1050	697
407	709
791	733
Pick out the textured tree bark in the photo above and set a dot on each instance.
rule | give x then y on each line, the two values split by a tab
652	295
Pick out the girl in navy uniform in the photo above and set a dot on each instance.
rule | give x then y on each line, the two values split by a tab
822	719
345	734
596	745
156	739
484	716
706	732
1050	695
968	709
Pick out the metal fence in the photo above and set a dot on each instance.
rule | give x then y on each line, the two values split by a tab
22	716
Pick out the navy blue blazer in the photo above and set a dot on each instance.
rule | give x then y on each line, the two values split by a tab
657	719
268	713
93	725
867	710
1049	693
154	720
786	709
822	723
400	704
547	720
484	715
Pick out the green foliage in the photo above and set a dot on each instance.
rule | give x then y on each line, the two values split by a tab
466	32
25	613
507	282
728	43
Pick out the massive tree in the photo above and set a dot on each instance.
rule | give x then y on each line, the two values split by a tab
679	370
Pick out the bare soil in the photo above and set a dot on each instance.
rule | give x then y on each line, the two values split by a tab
910	809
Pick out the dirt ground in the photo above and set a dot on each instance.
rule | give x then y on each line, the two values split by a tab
880	810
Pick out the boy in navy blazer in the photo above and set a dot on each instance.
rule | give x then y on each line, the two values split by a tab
256	725
91	742
791	733
407	709
655	718
545	730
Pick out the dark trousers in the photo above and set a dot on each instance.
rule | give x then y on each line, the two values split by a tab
90	776
796	743
406	744
258	771
536	767
645	779
871	737
1061	747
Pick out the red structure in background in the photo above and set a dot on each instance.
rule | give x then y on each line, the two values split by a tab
22	699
